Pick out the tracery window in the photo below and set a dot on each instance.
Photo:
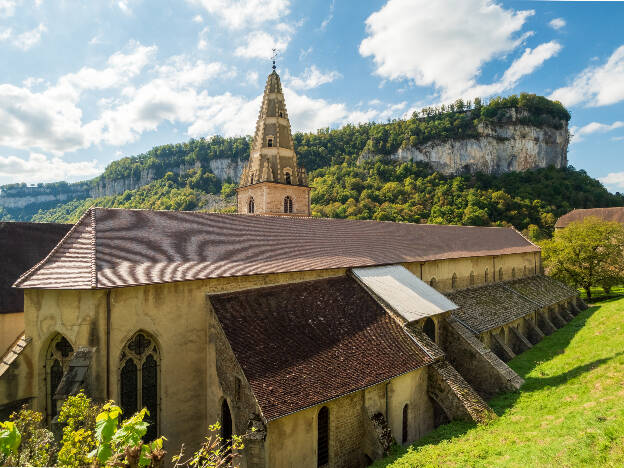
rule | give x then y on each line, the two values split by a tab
454	281
139	379
60	352
288	205
404	432
323	437
250	205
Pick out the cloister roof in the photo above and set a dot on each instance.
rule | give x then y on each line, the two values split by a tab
119	247
606	214
302	344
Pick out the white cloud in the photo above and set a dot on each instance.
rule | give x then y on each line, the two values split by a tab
260	44
329	17
526	64
312	77
7	8
443	43
596	85
252	78
239	14
198	19
594	127
5	34
557	23
40	168
614	180
202	44
29	39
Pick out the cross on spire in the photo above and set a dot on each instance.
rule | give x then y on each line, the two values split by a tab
273	57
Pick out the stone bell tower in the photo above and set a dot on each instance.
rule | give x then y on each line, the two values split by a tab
272	182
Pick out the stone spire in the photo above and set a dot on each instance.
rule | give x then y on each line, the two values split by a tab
273	157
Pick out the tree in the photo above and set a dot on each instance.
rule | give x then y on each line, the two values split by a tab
586	254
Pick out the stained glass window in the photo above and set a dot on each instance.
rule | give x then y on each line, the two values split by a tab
138	382
60	352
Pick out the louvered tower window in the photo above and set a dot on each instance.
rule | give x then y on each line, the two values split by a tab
323	437
60	352
139	379
288	205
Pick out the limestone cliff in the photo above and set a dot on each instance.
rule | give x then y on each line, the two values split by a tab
498	148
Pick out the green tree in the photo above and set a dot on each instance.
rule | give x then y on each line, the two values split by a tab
586	254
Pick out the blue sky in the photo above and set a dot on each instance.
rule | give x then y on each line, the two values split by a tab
85	83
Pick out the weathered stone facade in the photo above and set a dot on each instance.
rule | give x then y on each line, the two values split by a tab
272	182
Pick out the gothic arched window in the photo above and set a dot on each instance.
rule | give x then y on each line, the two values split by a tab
500	274
323	437
250	205
454	281
486	276
429	328
404	432
287	177
288	205
60	352
139	380
270	142
472	278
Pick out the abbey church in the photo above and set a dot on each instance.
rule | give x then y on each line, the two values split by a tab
324	340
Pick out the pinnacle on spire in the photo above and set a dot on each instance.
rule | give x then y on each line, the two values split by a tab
273	57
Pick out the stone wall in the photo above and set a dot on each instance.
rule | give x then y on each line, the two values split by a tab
269	198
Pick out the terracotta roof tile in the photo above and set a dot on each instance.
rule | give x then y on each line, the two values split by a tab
305	343
113	248
606	214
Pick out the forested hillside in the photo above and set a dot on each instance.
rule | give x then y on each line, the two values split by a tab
377	188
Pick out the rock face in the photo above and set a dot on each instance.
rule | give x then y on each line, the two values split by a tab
224	169
498	148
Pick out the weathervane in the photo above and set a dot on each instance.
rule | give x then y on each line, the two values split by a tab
273	57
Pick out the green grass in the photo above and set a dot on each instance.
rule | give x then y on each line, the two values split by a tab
569	412
598	294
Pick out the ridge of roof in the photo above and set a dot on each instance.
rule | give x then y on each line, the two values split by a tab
26	275
120	248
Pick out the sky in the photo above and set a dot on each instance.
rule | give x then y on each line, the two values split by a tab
86	83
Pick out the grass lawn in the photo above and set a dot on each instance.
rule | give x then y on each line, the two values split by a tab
598	294
570	411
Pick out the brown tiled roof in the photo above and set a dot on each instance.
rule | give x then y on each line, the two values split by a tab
113	247
13	353
543	290
22	245
490	306
606	214
305	343
494	305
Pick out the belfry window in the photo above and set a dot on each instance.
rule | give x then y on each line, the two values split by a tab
60	352
281	114
323	437
250	205
139	380
288	205
287	177
270	142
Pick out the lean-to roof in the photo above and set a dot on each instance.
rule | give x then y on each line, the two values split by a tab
115	247
302	344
